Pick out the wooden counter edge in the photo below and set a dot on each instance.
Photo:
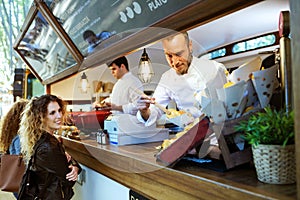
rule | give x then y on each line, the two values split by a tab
155	181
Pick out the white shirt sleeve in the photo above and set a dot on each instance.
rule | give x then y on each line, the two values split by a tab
152	118
133	96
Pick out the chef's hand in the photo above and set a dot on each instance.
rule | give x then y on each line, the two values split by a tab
102	104
72	176
143	105
96	105
108	105
113	106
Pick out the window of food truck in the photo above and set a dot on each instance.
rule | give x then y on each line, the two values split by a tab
43	50
91	30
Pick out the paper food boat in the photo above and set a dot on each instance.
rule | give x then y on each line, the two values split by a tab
264	82
244	72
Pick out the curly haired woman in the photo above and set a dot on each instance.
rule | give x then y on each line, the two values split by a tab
9	138
53	171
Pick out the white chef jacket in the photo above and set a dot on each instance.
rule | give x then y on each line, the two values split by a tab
202	74
124	94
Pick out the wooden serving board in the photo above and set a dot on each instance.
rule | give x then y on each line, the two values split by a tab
181	146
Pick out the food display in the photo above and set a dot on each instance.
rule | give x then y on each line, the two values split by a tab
168	142
180	118
249	88
265	82
174	113
172	150
70	132
244	72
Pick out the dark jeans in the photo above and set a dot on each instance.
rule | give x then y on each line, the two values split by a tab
15	194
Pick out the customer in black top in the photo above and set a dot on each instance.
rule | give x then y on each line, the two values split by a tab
54	172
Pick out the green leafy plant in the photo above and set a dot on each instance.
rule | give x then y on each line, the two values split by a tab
268	127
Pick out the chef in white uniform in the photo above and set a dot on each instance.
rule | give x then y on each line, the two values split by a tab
187	77
123	97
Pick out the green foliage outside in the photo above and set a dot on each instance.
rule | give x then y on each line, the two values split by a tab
269	127
12	14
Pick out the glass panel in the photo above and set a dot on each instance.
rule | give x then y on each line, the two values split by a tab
34	87
109	20
217	53
254	43
44	51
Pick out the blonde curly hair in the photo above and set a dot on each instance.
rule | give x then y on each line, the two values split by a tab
33	123
10	124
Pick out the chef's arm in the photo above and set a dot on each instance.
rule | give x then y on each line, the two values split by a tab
148	113
114	106
102	104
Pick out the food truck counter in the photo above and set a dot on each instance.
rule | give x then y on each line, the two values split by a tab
135	167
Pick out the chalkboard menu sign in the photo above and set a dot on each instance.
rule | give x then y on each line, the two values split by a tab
43	50
58	34
94	23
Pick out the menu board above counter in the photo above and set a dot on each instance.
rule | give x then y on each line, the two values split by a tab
55	38
109	20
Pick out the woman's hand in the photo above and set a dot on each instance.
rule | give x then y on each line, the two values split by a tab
72	176
68	156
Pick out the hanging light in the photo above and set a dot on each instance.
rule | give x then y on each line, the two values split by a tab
145	71
84	84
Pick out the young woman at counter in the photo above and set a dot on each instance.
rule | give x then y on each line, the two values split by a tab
9	138
53	172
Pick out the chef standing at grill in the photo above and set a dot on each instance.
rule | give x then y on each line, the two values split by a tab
123	98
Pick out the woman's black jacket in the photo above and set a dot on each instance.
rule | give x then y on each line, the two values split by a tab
50	166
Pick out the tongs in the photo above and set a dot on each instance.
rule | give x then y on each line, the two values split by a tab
181	121
155	103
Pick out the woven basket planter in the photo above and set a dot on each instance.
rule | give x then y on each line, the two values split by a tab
275	164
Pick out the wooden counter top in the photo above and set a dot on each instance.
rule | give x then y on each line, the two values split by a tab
135	167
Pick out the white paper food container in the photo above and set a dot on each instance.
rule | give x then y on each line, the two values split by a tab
264	82
252	99
182	120
215	110
243	73
234	99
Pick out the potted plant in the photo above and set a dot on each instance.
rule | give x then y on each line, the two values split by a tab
271	134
